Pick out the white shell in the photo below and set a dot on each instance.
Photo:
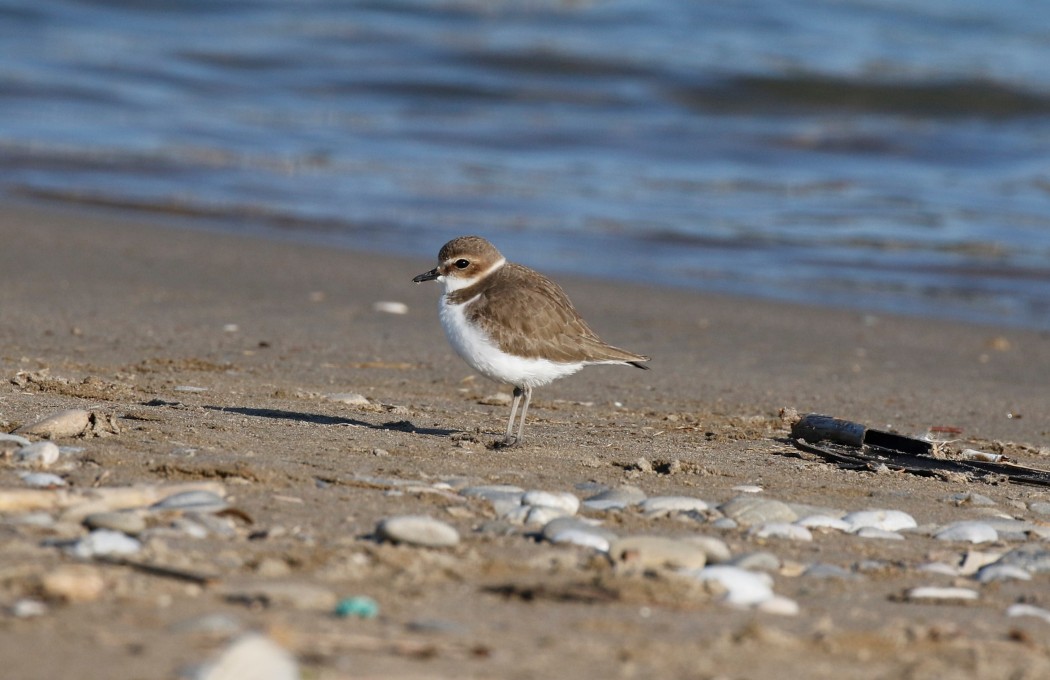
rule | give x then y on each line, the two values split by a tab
67	423
970	532
887	520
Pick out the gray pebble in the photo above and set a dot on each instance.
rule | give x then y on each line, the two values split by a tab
968	531
491	491
419	530
749	510
970	498
42	480
792	532
725	523
1033	558
195	501
659	506
125	522
616	498
1040	507
104	542
21	441
886	520
578	532
759	560
1002	572
40	454
563	501
875	532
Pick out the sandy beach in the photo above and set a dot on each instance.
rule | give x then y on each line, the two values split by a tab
265	367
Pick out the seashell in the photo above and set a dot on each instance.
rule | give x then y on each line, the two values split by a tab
944	594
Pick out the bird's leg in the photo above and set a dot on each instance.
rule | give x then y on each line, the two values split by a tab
524	410
508	438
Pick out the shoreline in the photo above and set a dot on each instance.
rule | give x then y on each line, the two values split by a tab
231	360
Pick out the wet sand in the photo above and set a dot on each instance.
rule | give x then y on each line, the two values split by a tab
119	315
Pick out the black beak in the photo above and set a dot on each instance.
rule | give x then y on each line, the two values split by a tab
427	276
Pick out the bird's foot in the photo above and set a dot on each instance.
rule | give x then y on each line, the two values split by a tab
506	443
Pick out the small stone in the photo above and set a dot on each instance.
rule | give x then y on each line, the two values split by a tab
1040	507
14	439
1033	558
887	520
418	530
1002	572
970	498
715	548
192	501
542	514
251	656
741	587
67	423
349	398
750	510
1028	610
649	552
565	501
389	307
942	594
791	532
578	532
493	492
779	605
748	488
969	532
189	388
125	522
875	532
358	607
660	506
73	583
40	454
104	542
42	480
760	560
823	522
616	498
27	608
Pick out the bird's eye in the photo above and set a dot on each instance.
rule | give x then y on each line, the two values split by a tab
462	264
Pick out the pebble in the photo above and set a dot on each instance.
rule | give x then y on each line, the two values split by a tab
419	530
1028	610
189	388
104	542
27	608
1040	507
130	523
937	593
21	441
791	532
760	560
616	498
780	605
67	423
968	531
823	522
875	532
1002	572
1034	559
41	454
42	480
542	514
715	548
349	398
660	506
564	501
578	531
970	498
749	510
1010	529
887	520
748	488
649	552
390	307
251	656
358	607
73	583
195	501
742	587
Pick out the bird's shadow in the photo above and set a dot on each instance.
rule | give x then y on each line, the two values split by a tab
320	419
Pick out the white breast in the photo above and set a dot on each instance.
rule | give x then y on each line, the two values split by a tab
485	357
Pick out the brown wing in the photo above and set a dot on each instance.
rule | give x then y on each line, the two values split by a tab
552	328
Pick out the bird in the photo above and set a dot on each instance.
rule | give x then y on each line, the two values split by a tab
512	324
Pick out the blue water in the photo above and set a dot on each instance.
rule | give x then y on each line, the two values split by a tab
878	155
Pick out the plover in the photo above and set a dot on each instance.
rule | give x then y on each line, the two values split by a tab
512	324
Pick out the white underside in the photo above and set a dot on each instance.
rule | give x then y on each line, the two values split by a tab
485	357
